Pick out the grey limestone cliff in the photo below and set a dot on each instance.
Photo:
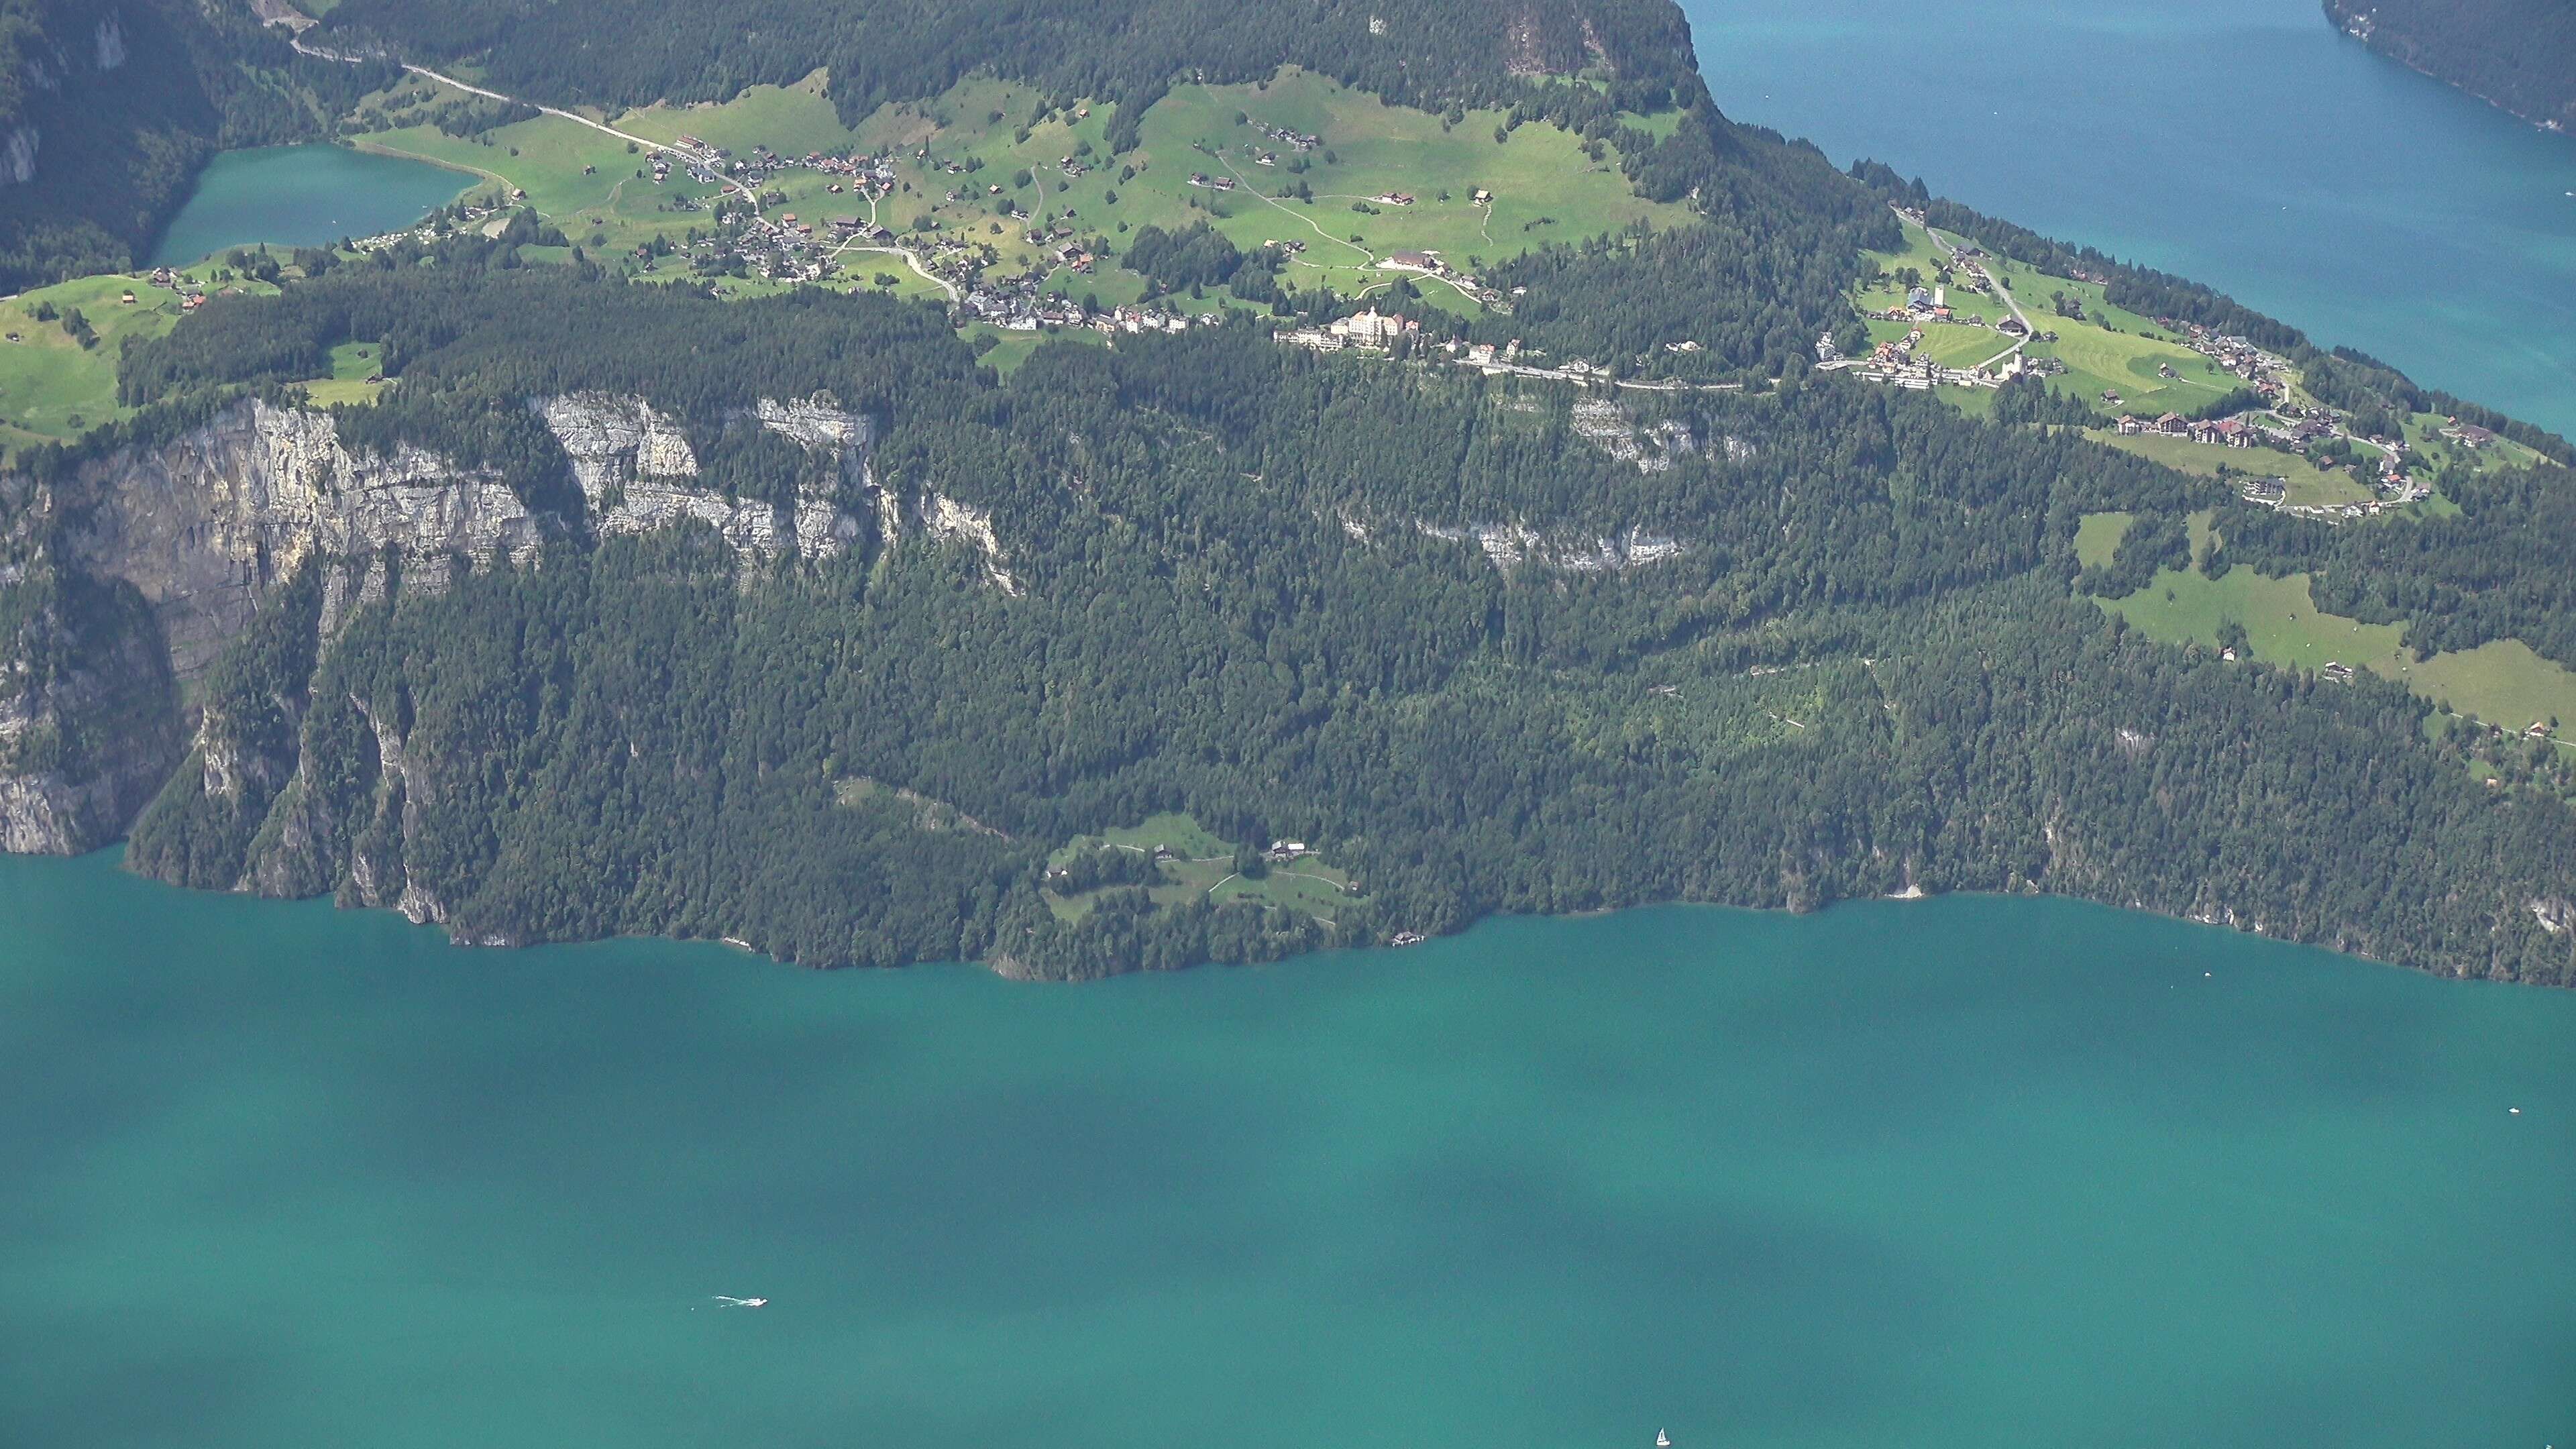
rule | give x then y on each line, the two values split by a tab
128	580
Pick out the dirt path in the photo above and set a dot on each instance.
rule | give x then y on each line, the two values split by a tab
1270	201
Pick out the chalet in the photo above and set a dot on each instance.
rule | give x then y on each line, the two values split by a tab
1482	198
2173	425
2469	435
2266	490
2130	426
1411	261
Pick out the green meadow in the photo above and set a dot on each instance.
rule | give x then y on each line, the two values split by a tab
1201	864
1545	187
790	120
2098	535
2306	483
2503	683
52	389
1951	344
352	363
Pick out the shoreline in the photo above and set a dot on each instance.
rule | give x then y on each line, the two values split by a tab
1006	967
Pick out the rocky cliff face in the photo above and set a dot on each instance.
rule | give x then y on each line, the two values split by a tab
209	524
89	717
199	535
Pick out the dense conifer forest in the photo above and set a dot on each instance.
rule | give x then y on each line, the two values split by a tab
2518	54
1416	52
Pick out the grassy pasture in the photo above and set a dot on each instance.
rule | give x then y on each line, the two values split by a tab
352	363
2503	683
2098	535
1201	864
1951	344
51	388
790	120
2307	483
2099	360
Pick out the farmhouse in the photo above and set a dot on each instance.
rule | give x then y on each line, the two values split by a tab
1411	261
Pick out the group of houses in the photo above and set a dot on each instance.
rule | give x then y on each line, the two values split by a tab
2225	432
1021	307
1293	140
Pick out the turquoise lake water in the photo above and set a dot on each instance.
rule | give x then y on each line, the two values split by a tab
2242	143
302	196
1970	1172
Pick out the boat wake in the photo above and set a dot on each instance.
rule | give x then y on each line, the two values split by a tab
722	1301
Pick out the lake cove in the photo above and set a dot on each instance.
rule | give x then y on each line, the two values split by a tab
302	196
2242	143
1971	1171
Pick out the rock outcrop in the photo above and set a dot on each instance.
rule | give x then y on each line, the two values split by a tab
197	535
1511	545
638	472
207	525
89	718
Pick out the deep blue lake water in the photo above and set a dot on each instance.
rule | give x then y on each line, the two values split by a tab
2242	143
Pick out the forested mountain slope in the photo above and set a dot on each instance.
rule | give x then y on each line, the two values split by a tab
1449	632
2518	54
1418	52
610	600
